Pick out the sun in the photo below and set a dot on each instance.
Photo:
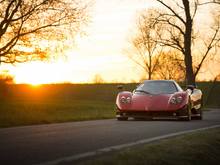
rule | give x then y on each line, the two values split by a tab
35	85
36	73
35	82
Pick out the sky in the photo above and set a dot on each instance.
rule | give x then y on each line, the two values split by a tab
100	51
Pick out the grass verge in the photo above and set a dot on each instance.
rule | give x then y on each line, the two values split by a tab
18	113
200	148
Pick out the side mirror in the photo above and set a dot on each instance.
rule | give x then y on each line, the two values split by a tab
190	87
120	87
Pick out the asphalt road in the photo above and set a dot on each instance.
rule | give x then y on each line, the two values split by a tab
42	143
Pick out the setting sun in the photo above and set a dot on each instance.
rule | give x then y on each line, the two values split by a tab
35	73
100	52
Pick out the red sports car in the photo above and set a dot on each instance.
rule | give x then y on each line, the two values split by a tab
159	99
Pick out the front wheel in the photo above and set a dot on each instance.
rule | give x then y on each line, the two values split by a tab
200	114
188	114
200	111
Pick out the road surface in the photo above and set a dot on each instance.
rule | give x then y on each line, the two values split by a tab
43	143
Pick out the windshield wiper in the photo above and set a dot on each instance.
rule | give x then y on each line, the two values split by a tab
142	91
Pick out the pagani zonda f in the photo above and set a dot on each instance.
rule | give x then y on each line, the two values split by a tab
159	99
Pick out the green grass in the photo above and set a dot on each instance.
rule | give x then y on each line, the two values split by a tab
201	148
100	92
41	112
25	104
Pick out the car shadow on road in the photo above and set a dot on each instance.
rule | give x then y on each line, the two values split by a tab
160	119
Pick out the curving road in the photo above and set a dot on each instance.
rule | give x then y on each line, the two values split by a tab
43	143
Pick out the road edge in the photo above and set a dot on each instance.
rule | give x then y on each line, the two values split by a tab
119	147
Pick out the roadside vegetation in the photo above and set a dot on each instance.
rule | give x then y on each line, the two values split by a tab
44	112
27	105
200	148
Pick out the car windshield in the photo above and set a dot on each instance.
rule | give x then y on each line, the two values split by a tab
157	87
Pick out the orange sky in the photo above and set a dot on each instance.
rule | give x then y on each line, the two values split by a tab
100	52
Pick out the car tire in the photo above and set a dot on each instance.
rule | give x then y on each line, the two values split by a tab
188	114
200	111
200	114
122	118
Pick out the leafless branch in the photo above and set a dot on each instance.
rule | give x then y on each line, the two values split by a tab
175	13
23	22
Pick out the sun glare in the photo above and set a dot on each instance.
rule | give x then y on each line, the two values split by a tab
98	53
101	52
35	85
37	73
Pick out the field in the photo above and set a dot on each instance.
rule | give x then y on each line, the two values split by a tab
51	111
26	104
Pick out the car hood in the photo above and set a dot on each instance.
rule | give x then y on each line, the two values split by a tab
148	102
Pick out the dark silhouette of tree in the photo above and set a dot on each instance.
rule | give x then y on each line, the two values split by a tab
98	79
5	79
24	24
179	18
145	49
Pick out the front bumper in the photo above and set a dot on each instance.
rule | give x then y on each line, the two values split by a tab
179	113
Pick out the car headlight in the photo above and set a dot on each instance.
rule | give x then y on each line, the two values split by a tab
125	99
128	99
179	99
176	100
173	100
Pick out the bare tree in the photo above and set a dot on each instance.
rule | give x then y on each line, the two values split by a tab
145	48
25	24
98	79
210	44
5	79
179	19
171	66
